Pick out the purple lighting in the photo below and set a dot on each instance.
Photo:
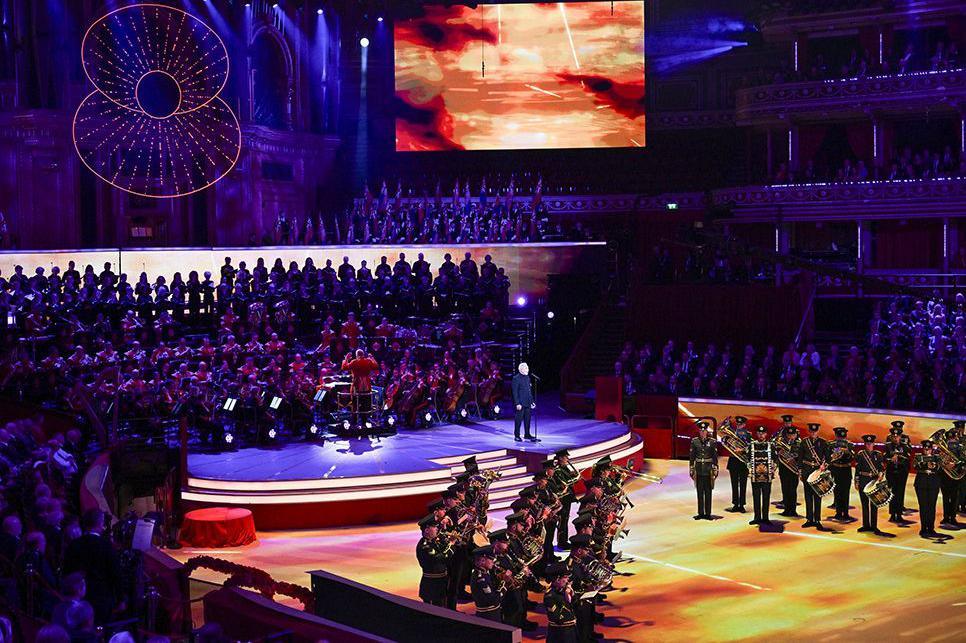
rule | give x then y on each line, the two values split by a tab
521	301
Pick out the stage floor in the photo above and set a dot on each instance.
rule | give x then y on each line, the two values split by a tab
696	580
407	451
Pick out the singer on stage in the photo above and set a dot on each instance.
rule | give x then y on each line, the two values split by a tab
523	402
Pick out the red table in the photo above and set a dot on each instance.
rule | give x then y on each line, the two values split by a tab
218	527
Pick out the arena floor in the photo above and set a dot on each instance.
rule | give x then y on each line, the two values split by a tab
720	581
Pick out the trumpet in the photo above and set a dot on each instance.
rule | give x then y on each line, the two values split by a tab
639	474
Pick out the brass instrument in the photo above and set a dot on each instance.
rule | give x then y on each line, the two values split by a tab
785	455
950	463
639	474
598	574
732	442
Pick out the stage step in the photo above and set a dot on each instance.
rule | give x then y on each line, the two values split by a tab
480	457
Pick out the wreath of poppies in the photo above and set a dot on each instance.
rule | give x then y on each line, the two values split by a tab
252	578
155	124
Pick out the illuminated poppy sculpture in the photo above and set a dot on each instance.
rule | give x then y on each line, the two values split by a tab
155	124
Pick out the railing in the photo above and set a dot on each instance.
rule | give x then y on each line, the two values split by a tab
935	89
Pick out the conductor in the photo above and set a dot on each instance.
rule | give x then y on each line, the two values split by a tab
523	402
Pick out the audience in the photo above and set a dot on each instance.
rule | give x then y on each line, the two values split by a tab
913	358
904	165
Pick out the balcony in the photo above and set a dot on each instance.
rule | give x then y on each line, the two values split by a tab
894	95
854	200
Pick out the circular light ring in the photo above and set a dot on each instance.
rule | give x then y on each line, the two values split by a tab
126	44
156	157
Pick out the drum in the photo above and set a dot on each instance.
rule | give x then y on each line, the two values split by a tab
878	492
822	482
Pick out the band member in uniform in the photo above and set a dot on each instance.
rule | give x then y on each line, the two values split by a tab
566	476
761	460
559	602
485	586
897	456
947	483
433	551
960	426
738	470
812	456
584	609
840	461
512	573
928	470
703	469
868	467
458	562
523	402
786	450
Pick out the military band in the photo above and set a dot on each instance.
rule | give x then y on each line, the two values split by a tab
787	442
738	467
949	443
513	561
928	470
761	462
898	454
812	457
868	469
840	464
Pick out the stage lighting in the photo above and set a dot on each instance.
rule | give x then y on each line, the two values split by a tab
272	433
345	424
550	314
368	425
364	42
229	438
391	420
379	19
496	410
319	12
275	6
521	301
428	417
463	413
313	429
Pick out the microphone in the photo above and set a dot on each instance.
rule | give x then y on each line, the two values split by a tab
536	377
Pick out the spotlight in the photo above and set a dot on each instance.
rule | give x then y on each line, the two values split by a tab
313	429
550	314
319	12
521	301
275	6
391	420
272	433
496	410
463	413
428	417
368	425
364	42
379	19
229	438
345	424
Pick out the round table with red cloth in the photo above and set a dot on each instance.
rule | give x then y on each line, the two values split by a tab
218	527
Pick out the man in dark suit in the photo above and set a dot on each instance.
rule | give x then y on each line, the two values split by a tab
523	402
94	555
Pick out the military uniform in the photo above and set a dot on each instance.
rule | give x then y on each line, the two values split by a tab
433	556
868	467
514	603
561	617
486	588
738	470
840	463
928	470
948	484
789	477
761	458
897	456
703	469
564	476
812	454
585	613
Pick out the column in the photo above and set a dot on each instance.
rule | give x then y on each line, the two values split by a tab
768	155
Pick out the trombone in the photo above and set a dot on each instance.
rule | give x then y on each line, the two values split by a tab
640	474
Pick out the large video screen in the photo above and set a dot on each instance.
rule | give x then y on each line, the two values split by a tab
520	76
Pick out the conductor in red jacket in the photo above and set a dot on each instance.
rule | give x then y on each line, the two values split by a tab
361	367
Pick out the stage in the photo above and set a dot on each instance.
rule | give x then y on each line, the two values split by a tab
365	480
694	580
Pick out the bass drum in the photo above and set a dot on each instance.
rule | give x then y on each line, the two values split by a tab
878	492
822	482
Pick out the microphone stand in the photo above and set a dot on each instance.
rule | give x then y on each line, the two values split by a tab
533	416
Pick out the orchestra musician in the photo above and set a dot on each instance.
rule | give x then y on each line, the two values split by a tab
703	469
432	552
512	573
738	470
566	476
761	460
486	588
559	603
812	456
898	455
577	562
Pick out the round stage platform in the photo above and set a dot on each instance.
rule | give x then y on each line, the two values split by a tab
371	480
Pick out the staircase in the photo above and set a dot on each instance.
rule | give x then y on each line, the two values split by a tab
606	345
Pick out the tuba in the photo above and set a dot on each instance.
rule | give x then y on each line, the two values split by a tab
784	451
950	463
731	441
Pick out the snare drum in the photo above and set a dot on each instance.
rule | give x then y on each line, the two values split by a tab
822	482
878	492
